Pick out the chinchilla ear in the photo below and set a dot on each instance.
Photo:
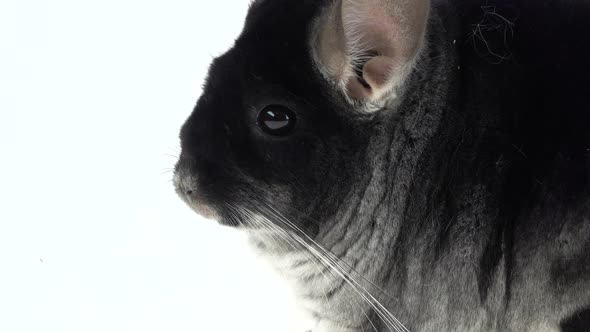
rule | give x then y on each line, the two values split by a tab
368	47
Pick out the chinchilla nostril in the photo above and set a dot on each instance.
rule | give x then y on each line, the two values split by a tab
185	184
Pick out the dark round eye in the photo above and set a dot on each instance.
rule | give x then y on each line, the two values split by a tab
276	120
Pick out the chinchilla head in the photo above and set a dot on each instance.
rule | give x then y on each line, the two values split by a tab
289	117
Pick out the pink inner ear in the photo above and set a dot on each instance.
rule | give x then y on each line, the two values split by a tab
376	74
393	30
356	90
378	70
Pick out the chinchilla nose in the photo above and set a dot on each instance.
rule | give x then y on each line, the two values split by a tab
185	183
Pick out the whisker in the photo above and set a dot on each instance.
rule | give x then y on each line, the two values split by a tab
167	171
336	264
383	314
330	270
170	155
351	267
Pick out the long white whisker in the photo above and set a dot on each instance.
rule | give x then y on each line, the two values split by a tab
351	268
335	263
331	268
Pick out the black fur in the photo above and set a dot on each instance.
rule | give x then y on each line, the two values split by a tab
501	177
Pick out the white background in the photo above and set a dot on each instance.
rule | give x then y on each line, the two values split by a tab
92	236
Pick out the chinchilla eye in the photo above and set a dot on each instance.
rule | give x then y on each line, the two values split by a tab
276	120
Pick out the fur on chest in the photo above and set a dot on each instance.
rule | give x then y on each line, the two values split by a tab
322	287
